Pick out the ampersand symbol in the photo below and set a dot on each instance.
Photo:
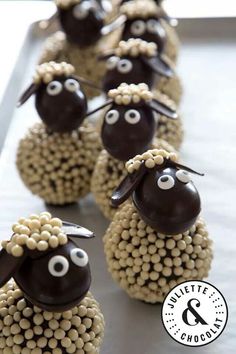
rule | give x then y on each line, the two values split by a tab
198	318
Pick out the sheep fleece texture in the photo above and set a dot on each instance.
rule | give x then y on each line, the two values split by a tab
147	264
28	329
58	167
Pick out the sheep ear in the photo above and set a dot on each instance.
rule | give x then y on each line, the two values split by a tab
76	231
116	24
127	187
9	265
159	66
173	22
185	168
87	82
106	55
31	90
162	109
108	103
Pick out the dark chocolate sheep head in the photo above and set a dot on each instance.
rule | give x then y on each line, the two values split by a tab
59	98
129	124
134	61
143	21
162	192
47	265
83	21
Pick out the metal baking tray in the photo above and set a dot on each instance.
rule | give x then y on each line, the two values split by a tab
208	72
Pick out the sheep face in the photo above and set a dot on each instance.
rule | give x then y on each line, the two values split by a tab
56	280
149	30
61	104
132	70
128	130
83	22
167	200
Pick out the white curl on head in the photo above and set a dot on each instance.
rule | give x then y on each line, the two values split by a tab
135	47
126	94
37	232
141	9
150	158
46	72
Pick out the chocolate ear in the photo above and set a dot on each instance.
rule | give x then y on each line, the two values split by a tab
106	55
87	82
31	90
185	168
108	103
162	109
127	187
9	265
159	66
76	231
116	24
173	22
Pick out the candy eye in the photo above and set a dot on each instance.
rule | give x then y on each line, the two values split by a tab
112	116
112	62
58	266
166	182
81	11
183	176
54	88
72	85
79	257
138	28
152	26
132	116
124	66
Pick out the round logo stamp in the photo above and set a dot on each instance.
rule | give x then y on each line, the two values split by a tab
194	313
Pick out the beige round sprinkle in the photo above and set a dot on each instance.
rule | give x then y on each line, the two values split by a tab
52	343
59	333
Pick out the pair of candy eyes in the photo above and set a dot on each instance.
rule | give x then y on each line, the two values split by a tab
132	116
81	11
166	182
124	66
54	88
58	266
139	27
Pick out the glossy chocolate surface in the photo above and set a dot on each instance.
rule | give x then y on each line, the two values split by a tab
63	112
140	73
170	211
124	140
52	293
158	36
84	31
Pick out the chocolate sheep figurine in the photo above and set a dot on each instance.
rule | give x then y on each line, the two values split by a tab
56	158
158	240
148	21
128	128
137	61
84	30
47	308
